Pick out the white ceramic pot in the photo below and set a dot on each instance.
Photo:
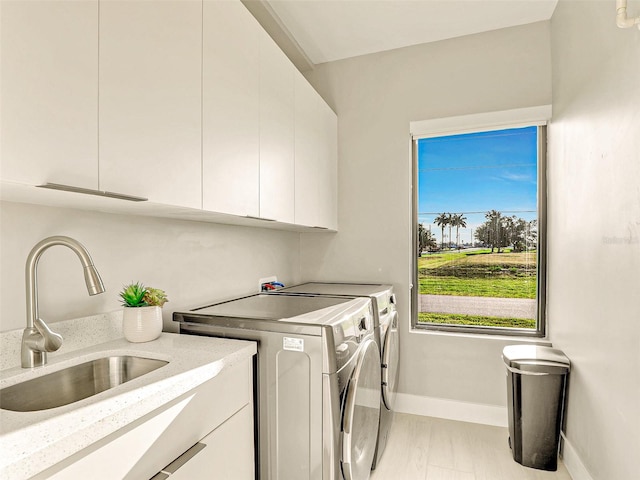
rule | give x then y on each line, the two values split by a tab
142	324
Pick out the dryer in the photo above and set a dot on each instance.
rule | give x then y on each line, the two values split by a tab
386	324
317	380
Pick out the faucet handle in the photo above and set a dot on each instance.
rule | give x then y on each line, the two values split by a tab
50	340
36	341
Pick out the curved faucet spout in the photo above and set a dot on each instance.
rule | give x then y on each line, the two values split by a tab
38	338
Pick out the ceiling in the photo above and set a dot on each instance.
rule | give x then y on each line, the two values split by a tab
328	30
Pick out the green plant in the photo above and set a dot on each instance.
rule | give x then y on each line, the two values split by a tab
137	295
155	297
132	295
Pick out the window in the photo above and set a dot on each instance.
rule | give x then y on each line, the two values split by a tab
479	225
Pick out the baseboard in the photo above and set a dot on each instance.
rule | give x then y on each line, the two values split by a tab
572	461
452	409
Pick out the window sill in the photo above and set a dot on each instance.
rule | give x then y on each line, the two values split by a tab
482	336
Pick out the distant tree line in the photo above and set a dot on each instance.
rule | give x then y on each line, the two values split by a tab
497	232
426	240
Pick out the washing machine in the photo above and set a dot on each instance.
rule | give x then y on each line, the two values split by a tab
316	380
386	324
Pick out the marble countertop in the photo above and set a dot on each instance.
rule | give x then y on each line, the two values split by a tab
33	441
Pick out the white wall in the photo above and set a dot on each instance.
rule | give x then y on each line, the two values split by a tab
376	97
594	231
193	262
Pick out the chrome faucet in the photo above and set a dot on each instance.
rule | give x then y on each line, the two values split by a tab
38	338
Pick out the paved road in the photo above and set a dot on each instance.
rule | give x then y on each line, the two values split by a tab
493	307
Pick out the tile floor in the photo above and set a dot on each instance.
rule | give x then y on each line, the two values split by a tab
426	448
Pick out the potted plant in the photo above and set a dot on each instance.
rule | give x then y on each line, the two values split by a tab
142	316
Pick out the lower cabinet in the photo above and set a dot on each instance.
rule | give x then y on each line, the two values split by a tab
227	453
218	414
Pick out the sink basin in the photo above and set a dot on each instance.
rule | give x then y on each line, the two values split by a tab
75	383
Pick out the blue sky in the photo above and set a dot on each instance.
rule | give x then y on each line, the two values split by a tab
477	172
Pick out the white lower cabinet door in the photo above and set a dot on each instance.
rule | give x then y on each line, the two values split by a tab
227	453
139	450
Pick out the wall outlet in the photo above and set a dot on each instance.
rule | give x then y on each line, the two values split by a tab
266	280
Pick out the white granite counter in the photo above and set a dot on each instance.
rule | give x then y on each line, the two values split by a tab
33	441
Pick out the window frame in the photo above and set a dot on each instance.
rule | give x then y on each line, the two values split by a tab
536	116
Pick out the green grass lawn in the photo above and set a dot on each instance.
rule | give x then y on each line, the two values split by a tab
478	274
475	320
516	287
478	257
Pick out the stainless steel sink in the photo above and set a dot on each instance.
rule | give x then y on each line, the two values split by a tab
75	383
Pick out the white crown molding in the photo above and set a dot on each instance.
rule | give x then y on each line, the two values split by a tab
270	21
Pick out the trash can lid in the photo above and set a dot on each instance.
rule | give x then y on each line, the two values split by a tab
526	357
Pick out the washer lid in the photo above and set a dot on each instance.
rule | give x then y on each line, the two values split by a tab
285	308
382	292
361	414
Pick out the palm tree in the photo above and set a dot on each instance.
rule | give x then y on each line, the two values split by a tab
442	221
458	220
495	229
426	241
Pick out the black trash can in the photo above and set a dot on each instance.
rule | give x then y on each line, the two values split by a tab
536	384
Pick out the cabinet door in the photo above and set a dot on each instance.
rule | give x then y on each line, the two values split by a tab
231	109
150	99
144	447
49	91
276	133
228	451
308	128
315	159
328	168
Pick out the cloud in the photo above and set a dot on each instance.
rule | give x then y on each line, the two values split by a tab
516	177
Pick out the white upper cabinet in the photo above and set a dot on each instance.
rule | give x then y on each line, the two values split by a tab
49	91
328	169
277	177
231	109
267	148
150	99
188	103
315	158
308	127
